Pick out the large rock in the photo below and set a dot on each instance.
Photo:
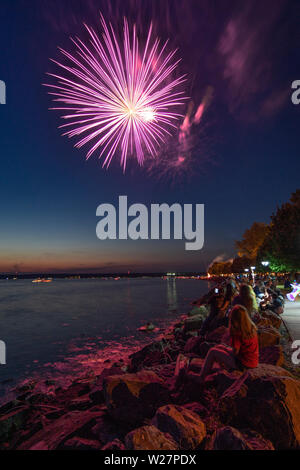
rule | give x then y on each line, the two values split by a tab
106	430
268	336
53	435
201	310
116	444
196	364
12	421
96	393
158	352
198	409
272	355
132	397
193	323
221	380
149	438
274	319
265	399
80	443
185	426
229	438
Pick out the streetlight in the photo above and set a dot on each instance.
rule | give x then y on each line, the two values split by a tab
253	273
265	263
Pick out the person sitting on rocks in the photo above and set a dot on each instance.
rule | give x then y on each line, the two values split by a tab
277	306
244	353
215	307
247	298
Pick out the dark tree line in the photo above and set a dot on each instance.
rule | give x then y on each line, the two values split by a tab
278	243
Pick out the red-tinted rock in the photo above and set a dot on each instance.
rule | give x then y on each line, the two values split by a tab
116	444
79	443
158	352
229	438
12	421
272	355
185	426
193	323
96	393
132	397
197	408
274	319
53	435
268	336
149	438
266	400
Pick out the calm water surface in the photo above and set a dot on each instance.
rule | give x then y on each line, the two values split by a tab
71	326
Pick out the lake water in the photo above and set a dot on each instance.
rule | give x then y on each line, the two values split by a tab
72	326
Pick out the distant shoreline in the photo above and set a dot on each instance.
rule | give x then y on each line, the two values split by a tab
9	276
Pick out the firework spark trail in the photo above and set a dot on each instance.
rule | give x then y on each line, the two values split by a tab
117	97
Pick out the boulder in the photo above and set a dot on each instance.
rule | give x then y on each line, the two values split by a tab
221	380
201	310
130	398
12	421
105	430
274	319
158	352
229	438
219	336
53	435
116	444
196	364
193	323
149	438
272	355
79	443
81	403
197	408
185	426
96	393
265	399
268	336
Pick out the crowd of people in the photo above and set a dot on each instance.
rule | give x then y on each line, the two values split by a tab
241	304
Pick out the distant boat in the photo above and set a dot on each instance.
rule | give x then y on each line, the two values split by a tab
42	280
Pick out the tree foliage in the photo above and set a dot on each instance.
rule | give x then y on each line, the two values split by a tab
281	246
252	240
220	268
240	264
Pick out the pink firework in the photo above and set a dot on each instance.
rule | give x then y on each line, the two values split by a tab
119	98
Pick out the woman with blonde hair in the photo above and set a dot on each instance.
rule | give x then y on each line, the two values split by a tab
247	298
243	353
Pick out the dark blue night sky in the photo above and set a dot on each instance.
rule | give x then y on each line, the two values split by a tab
244	163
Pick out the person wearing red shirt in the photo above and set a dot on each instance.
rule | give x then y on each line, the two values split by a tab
243	353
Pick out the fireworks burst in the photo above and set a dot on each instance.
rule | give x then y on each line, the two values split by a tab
119	98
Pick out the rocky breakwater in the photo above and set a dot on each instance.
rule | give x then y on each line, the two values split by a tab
135	404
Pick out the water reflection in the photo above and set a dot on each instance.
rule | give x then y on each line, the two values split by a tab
172	295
